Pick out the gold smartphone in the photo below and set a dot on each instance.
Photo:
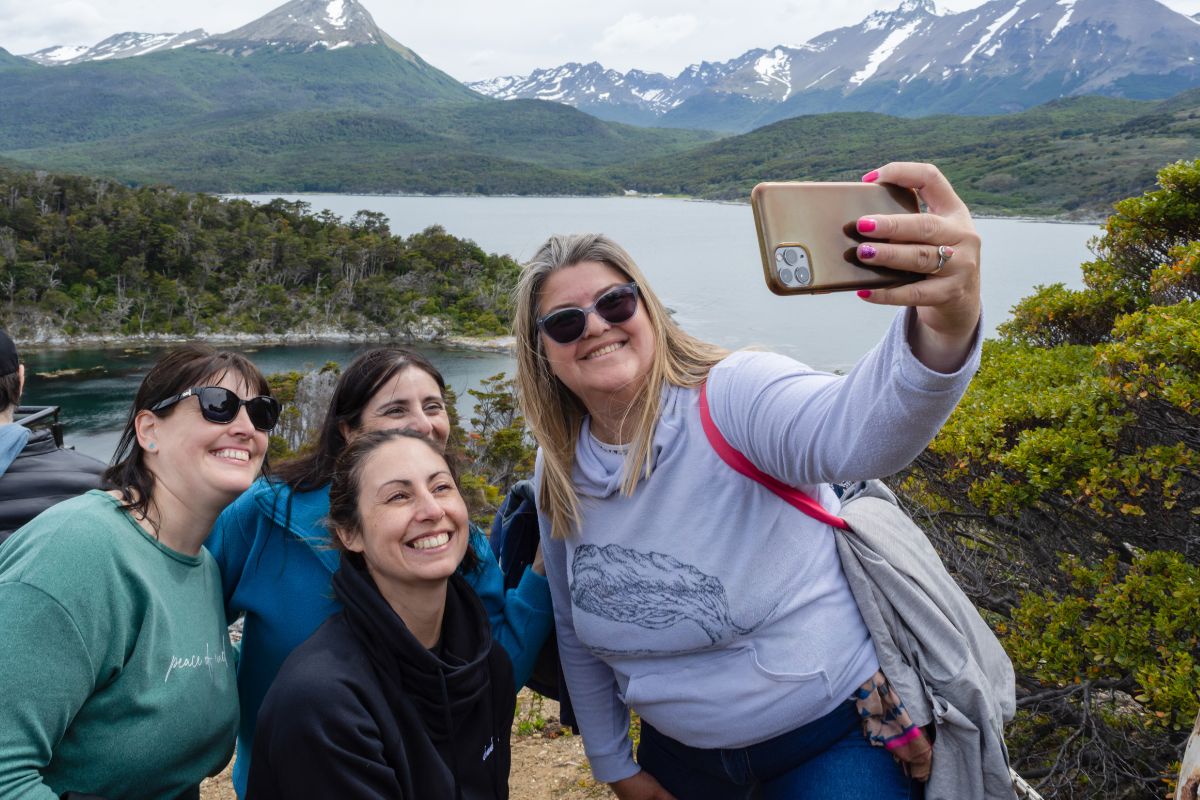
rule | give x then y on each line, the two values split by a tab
808	238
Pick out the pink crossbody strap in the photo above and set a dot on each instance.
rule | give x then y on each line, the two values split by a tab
739	462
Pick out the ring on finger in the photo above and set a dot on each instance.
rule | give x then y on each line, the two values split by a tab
944	254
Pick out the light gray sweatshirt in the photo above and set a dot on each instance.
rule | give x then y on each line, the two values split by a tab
715	609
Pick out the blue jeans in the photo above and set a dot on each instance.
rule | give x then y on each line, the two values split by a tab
827	758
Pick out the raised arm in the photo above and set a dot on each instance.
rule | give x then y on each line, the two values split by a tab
942	244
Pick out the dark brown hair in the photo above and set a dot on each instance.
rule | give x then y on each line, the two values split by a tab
10	390
176	371
366	375
347	482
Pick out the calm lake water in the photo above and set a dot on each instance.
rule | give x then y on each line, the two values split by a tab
702	258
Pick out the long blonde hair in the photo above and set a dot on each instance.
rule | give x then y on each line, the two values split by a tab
554	413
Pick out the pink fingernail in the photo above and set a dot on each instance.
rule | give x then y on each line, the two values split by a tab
866	225
863	293
871	176
867	251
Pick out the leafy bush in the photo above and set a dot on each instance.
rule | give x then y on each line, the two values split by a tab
1065	492
1116	659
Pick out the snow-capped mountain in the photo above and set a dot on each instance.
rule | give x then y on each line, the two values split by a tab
122	45
297	26
305	25
1002	56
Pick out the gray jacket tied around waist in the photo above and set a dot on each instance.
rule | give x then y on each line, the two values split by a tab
942	658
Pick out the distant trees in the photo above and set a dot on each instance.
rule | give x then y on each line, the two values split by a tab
84	255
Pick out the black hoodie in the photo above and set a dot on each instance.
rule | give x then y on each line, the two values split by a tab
363	710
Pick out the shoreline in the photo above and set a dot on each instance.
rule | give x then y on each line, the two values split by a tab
478	344
1057	219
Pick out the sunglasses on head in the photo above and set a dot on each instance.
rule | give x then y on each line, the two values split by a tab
221	406
615	306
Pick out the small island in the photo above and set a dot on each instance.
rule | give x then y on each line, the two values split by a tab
89	260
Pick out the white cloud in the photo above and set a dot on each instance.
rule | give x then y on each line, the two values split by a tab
634	32
26	26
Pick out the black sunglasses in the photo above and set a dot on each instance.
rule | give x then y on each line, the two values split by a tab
615	306
220	405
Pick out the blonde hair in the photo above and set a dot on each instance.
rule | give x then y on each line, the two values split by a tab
554	413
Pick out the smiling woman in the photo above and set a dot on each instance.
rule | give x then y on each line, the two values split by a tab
108	602
684	591
416	698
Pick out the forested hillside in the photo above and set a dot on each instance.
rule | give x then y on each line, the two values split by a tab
366	119
1075	156
90	256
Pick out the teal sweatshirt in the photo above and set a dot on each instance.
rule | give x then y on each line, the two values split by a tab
116	668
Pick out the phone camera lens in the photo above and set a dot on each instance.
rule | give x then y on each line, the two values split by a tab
789	255
803	276
785	275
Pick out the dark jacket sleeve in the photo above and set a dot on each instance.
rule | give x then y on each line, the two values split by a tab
41	476
315	738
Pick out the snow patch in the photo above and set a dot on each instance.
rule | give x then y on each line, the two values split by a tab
335	13
1069	5
883	52
991	31
823	77
65	53
777	67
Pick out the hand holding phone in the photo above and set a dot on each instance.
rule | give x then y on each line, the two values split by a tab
808	239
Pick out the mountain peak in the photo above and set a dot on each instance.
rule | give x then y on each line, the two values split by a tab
907	10
120	45
302	25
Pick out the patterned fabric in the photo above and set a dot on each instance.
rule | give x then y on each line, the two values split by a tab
886	723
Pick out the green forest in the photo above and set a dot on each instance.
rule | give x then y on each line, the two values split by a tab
92	256
1075	156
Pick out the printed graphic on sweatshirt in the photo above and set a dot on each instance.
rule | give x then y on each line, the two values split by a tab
194	661
653	591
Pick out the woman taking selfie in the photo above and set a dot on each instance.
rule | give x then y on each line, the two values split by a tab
118	679
685	591
273	550
402	693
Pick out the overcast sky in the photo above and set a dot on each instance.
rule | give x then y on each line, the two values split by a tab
475	39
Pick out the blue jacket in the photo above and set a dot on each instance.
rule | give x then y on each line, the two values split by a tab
277	569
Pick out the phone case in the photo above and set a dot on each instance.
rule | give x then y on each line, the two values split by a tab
808	239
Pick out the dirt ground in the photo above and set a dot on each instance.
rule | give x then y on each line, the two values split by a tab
547	763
